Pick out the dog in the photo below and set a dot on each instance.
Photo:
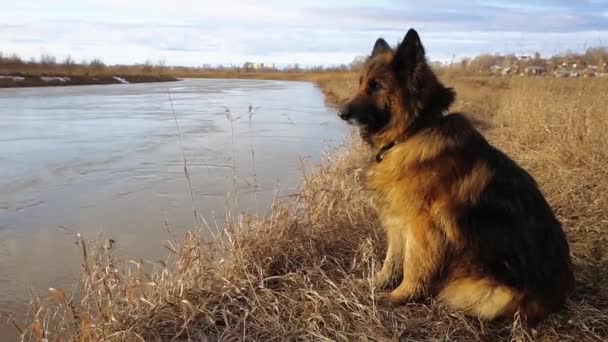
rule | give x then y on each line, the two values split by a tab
464	222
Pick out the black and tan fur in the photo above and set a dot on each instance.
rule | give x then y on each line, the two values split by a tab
464	222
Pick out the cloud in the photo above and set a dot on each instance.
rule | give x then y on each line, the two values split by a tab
194	32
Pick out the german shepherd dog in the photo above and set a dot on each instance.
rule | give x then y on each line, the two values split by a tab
463	221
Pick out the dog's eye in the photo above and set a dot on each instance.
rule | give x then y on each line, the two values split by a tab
374	85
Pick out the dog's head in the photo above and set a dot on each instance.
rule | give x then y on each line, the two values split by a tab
397	92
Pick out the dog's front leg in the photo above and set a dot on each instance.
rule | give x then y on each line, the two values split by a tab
422	257
392	268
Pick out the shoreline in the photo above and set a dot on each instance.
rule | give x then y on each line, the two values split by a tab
23	80
49	79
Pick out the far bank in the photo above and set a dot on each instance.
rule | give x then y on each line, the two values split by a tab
18	80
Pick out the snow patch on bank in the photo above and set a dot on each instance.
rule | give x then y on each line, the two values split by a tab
121	80
55	79
14	78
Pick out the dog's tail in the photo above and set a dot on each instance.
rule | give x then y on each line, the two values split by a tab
481	296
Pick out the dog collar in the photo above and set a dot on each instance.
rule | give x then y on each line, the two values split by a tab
383	150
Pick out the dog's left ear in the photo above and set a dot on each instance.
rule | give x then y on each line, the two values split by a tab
409	54
381	46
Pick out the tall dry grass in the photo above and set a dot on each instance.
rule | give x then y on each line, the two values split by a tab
302	272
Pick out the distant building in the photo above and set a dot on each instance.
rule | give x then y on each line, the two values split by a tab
496	69
535	71
258	66
589	72
524	58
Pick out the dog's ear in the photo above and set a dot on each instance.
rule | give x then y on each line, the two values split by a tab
409	54
381	46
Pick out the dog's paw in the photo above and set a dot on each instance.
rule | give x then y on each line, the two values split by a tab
382	298
397	297
381	280
390	298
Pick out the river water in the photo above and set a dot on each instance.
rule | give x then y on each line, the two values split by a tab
108	159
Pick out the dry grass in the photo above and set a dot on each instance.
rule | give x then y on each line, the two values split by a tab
303	271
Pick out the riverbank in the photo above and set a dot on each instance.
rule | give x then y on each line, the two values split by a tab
15	80
303	271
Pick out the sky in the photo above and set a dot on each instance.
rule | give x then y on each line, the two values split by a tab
316	32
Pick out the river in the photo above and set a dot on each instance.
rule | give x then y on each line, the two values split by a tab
110	160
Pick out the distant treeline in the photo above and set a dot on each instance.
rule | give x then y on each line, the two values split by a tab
47	64
10	64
